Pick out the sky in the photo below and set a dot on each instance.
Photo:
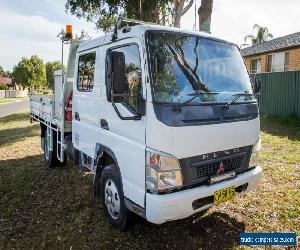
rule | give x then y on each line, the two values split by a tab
30	27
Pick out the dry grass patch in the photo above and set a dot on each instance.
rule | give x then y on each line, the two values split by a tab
54	208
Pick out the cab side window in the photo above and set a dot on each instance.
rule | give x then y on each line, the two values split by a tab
86	72
133	74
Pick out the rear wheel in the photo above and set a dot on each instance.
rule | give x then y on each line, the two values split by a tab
50	156
113	198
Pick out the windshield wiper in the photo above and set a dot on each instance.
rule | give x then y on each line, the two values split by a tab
200	92
197	94
237	96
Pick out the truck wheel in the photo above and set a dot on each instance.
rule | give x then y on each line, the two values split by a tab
113	198
50	156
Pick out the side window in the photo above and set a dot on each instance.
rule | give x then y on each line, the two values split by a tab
86	71
133	74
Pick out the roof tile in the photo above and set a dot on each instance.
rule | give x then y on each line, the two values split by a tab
274	44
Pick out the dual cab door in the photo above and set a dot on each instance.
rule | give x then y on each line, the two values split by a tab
95	120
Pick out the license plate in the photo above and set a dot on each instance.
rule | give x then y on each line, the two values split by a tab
223	195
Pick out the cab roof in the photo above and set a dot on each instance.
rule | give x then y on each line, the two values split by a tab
139	31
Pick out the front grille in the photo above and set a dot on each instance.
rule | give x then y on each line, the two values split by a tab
206	169
197	170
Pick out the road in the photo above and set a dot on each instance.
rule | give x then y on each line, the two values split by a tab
13	107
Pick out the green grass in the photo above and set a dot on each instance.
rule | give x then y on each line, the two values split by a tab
8	100
55	209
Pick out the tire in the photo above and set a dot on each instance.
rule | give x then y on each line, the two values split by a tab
50	156
112	197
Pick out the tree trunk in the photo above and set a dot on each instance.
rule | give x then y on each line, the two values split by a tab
204	13
140	7
180	10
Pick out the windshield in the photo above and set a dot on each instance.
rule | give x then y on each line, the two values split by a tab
191	69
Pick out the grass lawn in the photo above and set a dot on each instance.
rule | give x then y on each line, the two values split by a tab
54	208
7	100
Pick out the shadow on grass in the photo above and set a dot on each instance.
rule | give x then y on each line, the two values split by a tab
9	136
23	116
213	231
38	194
285	127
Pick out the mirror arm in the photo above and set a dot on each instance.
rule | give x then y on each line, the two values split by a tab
135	117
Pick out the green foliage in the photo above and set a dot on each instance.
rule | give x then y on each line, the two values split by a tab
1	70
3	86
30	72
4	73
261	35
103	13
50	68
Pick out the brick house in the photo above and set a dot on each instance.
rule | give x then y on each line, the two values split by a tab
279	54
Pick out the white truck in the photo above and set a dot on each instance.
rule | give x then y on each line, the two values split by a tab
166	120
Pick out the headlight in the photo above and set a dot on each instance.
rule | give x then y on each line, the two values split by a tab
255	154
162	172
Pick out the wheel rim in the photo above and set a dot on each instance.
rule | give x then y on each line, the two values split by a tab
46	148
112	199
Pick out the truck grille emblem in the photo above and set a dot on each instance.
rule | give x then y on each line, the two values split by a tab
221	169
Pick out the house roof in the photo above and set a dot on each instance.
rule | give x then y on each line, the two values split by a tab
283	42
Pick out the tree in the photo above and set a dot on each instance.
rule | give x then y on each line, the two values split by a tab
30	72
50	68
4	73
204	13
103	13
180	9
3	86
261	35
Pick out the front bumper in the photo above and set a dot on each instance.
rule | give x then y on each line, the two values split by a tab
174	206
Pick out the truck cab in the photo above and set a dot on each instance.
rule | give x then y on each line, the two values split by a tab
165	119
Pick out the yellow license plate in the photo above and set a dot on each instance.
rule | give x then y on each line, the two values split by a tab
223	195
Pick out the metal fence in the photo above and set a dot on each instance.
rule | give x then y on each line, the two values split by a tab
280	93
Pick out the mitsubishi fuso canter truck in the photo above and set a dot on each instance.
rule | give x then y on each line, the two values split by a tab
166	119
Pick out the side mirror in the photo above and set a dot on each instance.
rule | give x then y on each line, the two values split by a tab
141	106
117	67
257	86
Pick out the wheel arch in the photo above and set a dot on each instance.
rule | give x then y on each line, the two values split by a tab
104	156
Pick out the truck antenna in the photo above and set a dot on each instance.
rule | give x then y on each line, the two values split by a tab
195	15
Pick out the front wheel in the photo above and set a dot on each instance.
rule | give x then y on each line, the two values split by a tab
113	198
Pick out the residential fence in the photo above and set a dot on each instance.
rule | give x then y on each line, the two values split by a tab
280	93
13	93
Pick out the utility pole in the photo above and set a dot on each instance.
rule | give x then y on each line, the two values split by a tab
141	17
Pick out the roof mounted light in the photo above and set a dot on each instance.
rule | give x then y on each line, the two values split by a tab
69	31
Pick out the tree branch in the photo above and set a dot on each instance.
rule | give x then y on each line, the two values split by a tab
186	8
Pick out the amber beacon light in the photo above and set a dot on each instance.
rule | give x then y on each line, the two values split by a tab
69	31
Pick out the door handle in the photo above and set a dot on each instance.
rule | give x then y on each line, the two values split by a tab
104	124
77	117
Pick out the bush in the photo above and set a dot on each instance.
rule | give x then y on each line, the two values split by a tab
3	86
